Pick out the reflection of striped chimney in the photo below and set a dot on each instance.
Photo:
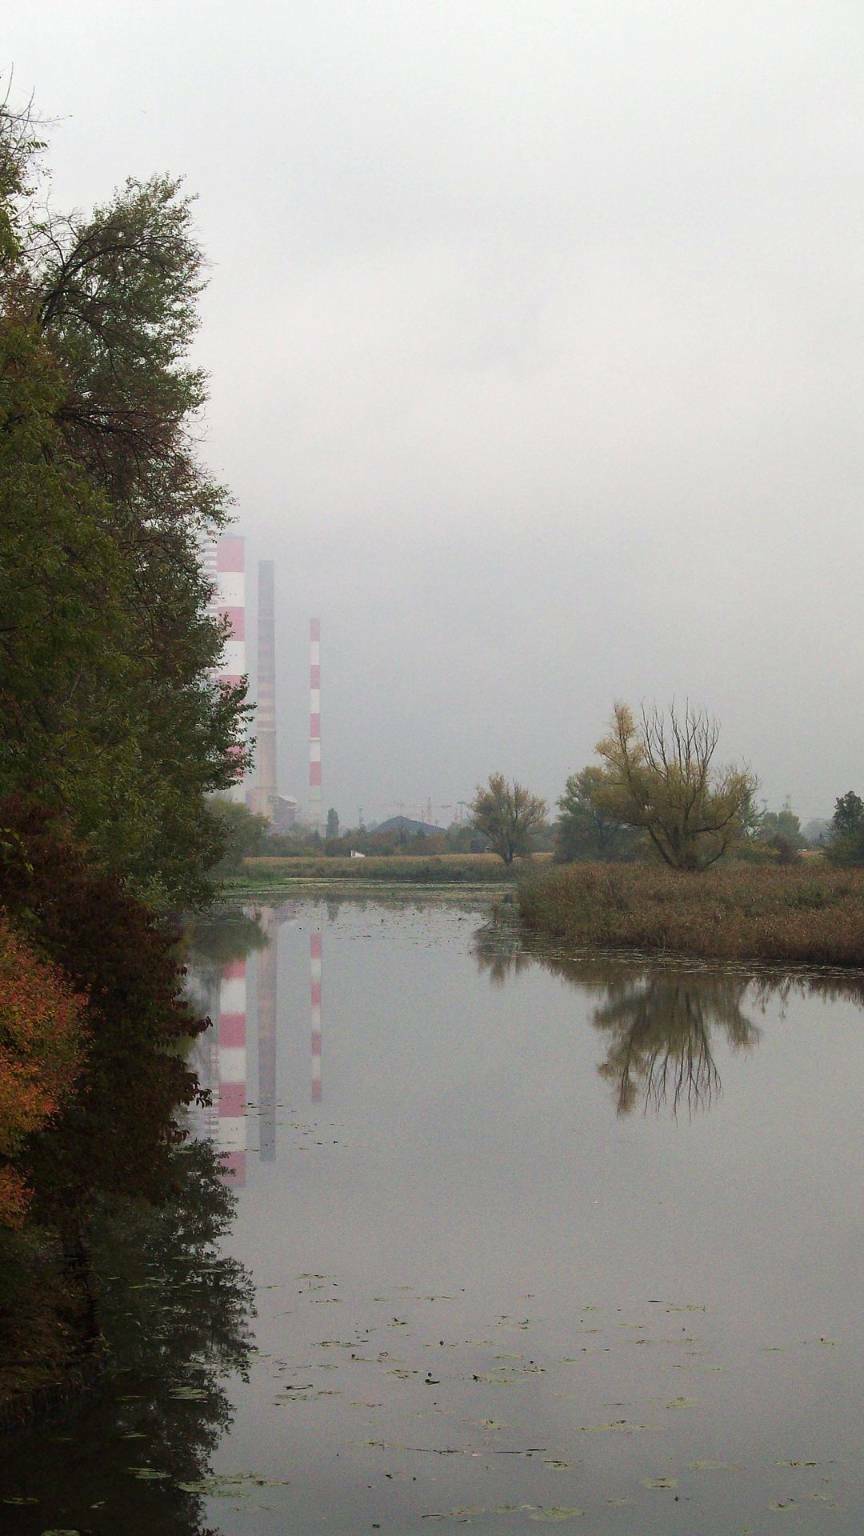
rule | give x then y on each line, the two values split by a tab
267	981
231	1127
315	1012
315	724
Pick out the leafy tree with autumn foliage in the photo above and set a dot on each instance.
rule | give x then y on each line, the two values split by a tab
41	1041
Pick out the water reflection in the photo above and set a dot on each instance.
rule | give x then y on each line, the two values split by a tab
174	1313
234	976
423	1331
220	951
662	1021
660	1037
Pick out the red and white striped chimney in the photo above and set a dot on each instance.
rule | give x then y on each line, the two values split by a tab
315	724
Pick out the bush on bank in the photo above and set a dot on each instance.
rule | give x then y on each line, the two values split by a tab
794	915
41	1045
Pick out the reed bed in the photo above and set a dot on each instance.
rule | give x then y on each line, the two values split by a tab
428	869
795	916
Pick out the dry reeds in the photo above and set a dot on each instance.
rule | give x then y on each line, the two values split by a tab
797	916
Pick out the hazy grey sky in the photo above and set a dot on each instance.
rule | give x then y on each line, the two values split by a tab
536	340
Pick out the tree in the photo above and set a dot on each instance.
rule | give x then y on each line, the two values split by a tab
659	775
816	831
583	830
106	642
332	825
41	1046
846	841
507	814
781	824
848	814
243	833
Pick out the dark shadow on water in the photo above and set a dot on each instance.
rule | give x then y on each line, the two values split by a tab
175	1314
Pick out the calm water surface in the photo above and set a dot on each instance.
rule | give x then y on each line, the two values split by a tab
533	1240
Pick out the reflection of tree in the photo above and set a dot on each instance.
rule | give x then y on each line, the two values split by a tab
500	953
659	1019
175	1316
660	1025
212	942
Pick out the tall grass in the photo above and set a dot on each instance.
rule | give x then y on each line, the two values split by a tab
429	869
797	916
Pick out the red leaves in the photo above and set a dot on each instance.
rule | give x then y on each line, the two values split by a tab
112	1134
41	1042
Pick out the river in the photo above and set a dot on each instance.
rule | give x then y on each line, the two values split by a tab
534	1239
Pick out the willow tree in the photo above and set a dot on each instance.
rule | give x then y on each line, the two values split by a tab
659	774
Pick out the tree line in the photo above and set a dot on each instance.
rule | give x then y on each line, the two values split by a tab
106	642
115	736
659	792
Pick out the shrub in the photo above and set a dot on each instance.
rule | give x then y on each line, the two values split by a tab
41	1042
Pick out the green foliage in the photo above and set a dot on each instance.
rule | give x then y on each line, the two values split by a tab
583	830
243	833
659	775
332	831
107	645
781	831
846	843
507	814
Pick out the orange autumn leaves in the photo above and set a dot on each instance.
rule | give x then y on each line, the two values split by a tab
41	1042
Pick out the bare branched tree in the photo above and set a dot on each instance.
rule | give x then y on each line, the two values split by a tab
659	774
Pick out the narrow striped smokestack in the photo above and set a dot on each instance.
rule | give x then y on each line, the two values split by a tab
315	724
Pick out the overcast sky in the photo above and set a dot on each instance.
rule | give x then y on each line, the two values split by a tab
536	340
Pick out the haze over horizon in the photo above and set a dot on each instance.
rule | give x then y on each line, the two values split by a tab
535	341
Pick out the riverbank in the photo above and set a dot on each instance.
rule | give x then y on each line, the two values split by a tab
796	916
440	869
